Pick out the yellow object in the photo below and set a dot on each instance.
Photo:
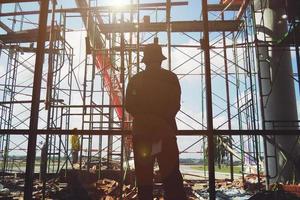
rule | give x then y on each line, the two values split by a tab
75	144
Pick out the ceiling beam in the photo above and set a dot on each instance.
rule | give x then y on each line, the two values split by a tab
127	132
102	9
17	1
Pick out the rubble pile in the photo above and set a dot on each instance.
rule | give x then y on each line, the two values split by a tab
101	190
274	195
75	184
294	189
227	189
85	185
11	187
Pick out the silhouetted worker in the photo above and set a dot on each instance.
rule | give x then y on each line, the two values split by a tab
153	99
43	164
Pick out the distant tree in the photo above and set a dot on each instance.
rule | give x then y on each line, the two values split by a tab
220	150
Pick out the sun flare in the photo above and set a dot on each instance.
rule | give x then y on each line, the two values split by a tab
119	3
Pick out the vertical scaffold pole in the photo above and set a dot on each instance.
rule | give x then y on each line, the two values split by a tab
36	93
227	98
168	20
209	114
298	63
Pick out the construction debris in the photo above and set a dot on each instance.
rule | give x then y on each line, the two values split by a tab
76	184
11	187
227	189
274	195
4	191
294	189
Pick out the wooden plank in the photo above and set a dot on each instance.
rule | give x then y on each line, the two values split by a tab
221	7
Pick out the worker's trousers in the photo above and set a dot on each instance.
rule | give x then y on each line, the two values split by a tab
168	161
75	156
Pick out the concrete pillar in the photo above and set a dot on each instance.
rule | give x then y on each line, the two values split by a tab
277	86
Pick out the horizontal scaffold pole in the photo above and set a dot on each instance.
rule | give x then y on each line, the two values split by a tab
179	133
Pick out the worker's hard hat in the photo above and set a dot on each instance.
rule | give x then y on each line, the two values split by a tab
153	52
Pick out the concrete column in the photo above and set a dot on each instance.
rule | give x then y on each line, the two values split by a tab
277	86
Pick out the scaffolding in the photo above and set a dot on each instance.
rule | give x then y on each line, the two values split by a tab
218	65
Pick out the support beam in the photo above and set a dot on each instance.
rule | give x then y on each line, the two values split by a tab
25	36
24	102
178	26
34	115
6	28
21	37
21	49
90	22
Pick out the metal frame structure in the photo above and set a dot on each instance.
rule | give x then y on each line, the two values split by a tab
226	64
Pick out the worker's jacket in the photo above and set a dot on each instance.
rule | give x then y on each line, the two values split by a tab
153	99
75	144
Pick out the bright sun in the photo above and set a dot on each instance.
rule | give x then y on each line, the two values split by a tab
119	2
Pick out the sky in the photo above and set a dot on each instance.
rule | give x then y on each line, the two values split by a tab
192	95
